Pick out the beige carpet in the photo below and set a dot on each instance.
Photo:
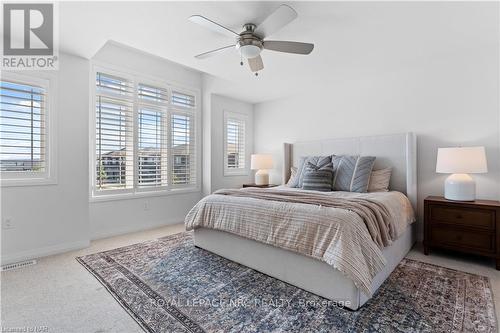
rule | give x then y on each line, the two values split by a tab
60	294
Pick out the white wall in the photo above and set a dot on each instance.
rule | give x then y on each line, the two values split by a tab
214	106
220	104
121	216
207	82
54	218
445	89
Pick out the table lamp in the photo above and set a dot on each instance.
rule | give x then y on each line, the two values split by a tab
460	161
261	163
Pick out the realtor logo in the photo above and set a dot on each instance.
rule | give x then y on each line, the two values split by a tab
29	32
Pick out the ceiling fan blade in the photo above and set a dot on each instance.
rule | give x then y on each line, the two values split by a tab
214	26
256	64
213	52
288	47
276	20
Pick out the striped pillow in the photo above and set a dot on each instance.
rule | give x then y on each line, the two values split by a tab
318	177
352	173
379	180
314	160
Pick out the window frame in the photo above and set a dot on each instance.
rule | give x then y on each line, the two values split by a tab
235	171
48	82
136	78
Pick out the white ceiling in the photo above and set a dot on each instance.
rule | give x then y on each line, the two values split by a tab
349	38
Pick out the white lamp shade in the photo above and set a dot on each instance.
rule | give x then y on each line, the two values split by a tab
261	161
461	160
250	51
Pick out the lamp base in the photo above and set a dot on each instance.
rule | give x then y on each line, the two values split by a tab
262	177
460	187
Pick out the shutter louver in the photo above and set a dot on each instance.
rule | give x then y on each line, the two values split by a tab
183	149
184	100
22	128
152	94
113	85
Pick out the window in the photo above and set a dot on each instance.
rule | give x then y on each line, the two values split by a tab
24	140
182	147
145	136
114	133
152	136
235	157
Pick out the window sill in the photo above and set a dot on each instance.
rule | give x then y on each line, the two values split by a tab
144	194
228	173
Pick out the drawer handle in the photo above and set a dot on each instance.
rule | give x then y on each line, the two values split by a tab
459	216
459	237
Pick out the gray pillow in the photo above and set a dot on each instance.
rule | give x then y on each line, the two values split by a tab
352	173
318	177
315	160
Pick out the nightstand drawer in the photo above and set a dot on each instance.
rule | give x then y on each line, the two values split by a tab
470	217
471	240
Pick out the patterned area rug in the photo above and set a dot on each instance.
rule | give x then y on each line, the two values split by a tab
169	285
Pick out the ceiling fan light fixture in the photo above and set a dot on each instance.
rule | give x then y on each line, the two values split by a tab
250	51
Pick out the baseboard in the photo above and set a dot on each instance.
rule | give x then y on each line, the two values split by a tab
44	251
100	234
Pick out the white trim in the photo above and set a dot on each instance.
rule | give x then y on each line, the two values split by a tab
47	81
44	251
136	78
235	171
142	193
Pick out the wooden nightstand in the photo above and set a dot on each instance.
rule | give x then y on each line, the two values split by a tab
260	186
465	226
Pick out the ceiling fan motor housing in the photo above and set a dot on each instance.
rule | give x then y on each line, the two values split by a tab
249	44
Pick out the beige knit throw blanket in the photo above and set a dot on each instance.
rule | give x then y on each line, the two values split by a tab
374	214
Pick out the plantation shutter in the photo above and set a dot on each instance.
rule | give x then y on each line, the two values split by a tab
152	136
235	143
182	148
114	133
149	93
22	127
145	136
183	100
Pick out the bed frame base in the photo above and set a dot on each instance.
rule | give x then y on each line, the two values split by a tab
312	275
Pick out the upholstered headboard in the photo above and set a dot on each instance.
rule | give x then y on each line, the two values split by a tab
398	151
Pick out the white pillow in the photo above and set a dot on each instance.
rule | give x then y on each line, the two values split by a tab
293	175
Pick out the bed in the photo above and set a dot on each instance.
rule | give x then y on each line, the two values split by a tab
318	277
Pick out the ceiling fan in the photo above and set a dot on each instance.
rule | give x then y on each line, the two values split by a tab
250	42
